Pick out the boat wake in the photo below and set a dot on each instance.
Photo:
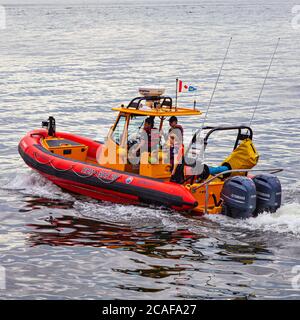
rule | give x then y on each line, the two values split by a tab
33	184
285	220
135	216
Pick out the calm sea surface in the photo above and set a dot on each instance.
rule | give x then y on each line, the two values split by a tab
75	63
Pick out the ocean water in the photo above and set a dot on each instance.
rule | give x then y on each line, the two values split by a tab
75	62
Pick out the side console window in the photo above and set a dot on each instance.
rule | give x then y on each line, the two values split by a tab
119	129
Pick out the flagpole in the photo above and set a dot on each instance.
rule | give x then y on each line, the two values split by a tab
176	94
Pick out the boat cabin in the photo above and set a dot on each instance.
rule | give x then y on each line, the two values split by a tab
125	135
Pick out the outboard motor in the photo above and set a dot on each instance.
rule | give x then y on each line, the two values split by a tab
268	193
239	197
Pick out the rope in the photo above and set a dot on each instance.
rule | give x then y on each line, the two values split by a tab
60	170
76	173
49	161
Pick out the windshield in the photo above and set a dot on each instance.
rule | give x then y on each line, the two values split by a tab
118	132
135	126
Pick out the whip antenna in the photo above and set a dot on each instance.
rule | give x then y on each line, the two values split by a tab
216	84
262	88
210	101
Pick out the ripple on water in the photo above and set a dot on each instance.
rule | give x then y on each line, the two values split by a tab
58	245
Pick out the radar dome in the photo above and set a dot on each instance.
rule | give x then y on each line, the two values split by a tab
151	92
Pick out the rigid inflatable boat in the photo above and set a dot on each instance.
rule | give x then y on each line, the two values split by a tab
104	171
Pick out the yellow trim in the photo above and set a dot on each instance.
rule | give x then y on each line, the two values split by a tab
215	188
163	112
159	169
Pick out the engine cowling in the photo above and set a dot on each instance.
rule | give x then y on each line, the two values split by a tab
239	197
268	193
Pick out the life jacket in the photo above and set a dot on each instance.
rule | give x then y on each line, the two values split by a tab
153	138
178	140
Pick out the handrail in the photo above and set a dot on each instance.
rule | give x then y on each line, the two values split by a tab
135	102
222	128
212	129
271	170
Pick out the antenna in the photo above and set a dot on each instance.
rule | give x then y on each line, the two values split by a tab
217	81
211	99
262	88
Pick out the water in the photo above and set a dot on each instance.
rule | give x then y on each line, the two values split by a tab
75	62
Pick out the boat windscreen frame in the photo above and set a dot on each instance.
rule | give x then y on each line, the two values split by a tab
125	129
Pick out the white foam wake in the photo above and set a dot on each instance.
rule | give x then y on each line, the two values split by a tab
32	183
137	216
285	220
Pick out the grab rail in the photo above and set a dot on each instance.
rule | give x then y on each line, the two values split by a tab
207	182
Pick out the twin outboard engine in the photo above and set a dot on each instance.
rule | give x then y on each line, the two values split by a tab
244	197
239	197
268	193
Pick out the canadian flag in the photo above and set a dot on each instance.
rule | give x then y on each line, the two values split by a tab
184	87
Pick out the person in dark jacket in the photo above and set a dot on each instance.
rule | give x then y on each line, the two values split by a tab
175	140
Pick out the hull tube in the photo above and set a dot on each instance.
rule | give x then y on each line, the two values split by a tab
99	182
